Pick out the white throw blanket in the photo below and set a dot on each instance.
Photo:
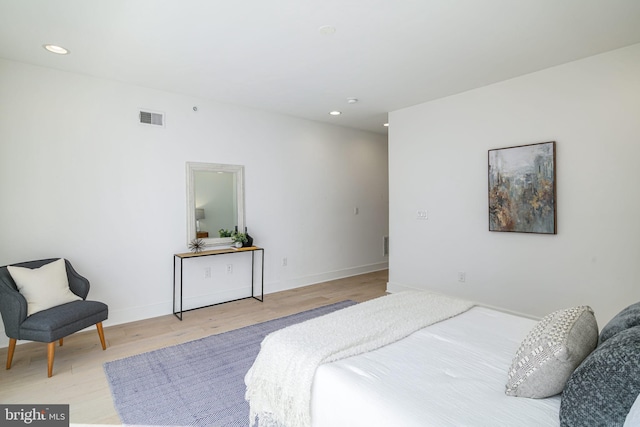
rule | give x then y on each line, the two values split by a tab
279	382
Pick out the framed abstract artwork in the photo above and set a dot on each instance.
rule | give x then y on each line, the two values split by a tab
522	189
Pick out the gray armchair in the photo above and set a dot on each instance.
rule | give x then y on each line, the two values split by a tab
52	324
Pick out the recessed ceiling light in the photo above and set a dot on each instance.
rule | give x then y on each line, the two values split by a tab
335	113
386	125
352	100
327	30
55	49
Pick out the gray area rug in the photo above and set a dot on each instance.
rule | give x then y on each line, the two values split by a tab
198	383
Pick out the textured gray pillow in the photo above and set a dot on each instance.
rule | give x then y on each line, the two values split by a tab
604	387
627	318
551	352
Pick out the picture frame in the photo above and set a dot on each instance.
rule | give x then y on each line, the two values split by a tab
522	188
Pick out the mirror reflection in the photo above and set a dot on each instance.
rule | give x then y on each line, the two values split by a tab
215	201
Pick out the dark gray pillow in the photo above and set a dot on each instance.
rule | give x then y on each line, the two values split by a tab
601	391
627	318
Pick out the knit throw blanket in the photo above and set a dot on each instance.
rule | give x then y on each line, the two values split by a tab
279	382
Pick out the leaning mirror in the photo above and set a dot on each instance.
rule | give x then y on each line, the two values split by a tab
215	202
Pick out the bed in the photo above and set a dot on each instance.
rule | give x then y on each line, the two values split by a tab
454	371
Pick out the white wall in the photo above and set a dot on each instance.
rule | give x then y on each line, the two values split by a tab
80	178
438	163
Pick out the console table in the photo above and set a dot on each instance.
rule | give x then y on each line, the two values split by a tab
178	259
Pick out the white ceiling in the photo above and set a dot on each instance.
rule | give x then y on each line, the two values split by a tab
270	54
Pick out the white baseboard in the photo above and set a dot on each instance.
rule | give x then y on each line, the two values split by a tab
116	317
298	282
396	287
133	314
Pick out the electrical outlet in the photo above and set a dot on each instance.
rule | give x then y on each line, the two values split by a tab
284	261
229	268
422	215
462	277
207	273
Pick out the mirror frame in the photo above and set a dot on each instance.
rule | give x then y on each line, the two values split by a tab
193	167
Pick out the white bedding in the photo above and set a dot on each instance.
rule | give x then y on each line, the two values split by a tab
452	373
280	381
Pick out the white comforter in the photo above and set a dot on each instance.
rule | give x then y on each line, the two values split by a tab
451	374
280	380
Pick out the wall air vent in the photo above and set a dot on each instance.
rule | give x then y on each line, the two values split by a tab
385	246
153	118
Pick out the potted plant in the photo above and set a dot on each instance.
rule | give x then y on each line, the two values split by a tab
240	239
224	233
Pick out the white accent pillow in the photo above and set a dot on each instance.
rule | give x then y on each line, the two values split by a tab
43	287
551	352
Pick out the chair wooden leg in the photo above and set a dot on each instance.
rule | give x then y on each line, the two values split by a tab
12	348
61	341
101	334
51	350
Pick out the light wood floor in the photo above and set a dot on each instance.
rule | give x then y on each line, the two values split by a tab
78	377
